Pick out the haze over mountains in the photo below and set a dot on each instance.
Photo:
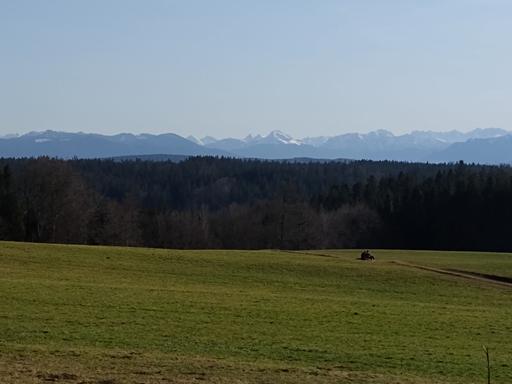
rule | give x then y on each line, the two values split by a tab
483	145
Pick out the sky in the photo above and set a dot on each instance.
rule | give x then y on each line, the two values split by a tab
230	68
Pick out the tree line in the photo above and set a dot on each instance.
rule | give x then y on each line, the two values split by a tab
206	202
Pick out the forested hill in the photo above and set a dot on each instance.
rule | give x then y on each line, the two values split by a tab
206	202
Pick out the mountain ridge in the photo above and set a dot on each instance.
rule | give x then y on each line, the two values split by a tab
484	145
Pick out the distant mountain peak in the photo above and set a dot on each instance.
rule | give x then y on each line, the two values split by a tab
488	132
208	140
194	140
278	136
250	138
383	132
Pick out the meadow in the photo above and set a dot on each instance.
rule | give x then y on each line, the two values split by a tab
108	315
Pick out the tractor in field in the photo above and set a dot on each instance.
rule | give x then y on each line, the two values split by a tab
366	255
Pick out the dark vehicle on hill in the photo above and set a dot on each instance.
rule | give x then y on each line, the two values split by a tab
366	255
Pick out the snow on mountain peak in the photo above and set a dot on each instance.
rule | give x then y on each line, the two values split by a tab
279	134
281	137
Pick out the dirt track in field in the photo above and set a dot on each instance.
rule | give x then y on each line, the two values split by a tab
492	279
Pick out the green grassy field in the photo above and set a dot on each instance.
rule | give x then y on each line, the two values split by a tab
76	314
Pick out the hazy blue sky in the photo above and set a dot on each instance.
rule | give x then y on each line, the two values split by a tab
229	68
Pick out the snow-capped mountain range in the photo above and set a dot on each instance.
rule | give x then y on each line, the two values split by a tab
483	145
375	145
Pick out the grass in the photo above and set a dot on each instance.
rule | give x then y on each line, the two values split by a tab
82	314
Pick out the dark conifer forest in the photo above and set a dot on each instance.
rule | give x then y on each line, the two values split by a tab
206	202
